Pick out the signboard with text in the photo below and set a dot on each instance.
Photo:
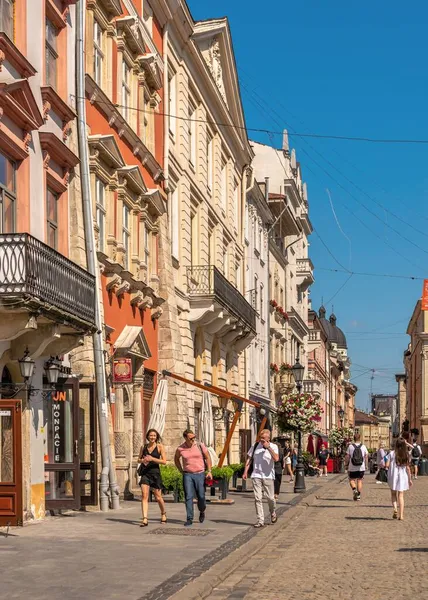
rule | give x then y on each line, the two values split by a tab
122	370
425	295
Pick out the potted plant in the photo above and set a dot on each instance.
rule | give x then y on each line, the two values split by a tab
221	478
172	481
238	471
273	303
274	369
285	371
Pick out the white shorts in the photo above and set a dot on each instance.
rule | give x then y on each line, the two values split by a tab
288	461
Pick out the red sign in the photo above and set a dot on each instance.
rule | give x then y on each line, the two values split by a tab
425	295
122	370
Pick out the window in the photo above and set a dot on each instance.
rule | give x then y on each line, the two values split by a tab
175	225
209	162
246	222
126	89
262	302
255	292
98	53
172	102
192	133
236	205
52	219
7	195
194	240
223	190
238	273
7	10
100	212
261	242
226	262
146	120
147	240
126	235
51	54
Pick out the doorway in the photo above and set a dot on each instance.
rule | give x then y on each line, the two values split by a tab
88	445
10	463
62	464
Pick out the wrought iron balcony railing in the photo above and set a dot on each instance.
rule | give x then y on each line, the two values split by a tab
31	269
208	281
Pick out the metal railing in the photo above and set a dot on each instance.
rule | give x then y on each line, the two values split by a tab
208	281
30	268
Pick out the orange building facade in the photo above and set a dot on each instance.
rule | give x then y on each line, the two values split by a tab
124	92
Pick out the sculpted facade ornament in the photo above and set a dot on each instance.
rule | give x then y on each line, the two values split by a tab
215	66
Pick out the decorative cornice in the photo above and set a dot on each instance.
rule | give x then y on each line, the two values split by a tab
9	52
62	155
52	101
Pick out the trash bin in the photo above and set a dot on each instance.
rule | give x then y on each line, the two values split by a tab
423	466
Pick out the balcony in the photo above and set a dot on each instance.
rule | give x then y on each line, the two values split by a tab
36	279
312	386
219	307
304	270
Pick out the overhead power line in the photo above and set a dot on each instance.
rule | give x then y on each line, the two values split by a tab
413	277
268	131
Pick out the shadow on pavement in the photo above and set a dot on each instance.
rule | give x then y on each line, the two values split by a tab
368	519
412	550
232	522
151	521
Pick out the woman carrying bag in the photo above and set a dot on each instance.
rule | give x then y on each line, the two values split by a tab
151	456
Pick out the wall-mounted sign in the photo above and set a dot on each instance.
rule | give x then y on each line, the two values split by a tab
5	413
122	370
425	295
58	430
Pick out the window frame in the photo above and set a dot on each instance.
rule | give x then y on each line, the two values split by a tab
52	52
52	225
126	89
12	5
100	211
172	102
126	235
98	52
192	132
11	195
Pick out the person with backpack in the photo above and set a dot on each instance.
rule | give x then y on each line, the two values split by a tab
356	461
415	456
260	466
279	469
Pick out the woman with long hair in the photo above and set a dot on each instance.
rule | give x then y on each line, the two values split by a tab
151	456
287	461
399	477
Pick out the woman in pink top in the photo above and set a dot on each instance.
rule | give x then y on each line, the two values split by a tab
192	459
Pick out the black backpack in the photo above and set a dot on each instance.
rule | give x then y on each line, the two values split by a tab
416	452
357	456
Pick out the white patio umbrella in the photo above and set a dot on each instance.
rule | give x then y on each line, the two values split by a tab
157	416
206	426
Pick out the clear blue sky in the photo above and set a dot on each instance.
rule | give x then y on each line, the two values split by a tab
353	69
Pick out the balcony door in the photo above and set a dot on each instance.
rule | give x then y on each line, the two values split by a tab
62	464
10	463
88	445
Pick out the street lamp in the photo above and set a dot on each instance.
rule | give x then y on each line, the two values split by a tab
298	371
341	414
26	367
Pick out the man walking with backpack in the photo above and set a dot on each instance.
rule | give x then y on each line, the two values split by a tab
356	461
415	456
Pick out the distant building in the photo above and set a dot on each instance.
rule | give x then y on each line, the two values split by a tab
373	429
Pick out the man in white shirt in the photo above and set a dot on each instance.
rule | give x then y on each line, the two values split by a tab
262	457
356	461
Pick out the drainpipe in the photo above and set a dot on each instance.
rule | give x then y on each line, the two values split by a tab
108	471
165	108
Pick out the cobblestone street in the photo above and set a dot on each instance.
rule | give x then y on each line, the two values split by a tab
336	548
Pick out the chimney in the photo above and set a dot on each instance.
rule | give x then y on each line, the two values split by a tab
285	145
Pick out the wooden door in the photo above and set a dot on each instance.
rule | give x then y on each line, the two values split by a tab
244	443
10	463
88	445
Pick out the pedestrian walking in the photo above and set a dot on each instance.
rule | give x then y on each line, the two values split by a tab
279	469
294	459
260	466
399	477
150	457
415	457
356	461
380	463
323	456
288	453
192	460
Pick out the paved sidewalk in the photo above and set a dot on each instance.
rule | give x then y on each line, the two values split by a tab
108	556
337	548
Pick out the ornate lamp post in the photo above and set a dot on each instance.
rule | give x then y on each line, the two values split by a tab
299	482
341	414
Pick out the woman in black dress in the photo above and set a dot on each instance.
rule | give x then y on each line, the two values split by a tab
323	456
151	456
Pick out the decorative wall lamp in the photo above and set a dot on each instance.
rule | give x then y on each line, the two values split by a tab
26	367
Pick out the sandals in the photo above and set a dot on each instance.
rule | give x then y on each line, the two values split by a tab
163	518
395	514
259	525
144	522
274	517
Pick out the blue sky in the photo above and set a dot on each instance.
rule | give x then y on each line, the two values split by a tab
353	69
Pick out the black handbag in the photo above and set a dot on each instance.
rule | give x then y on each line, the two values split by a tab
382	475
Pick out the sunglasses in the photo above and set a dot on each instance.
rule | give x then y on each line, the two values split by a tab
191	439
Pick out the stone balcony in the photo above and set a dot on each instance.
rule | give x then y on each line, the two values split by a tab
219	307
312	386
44	297
305	275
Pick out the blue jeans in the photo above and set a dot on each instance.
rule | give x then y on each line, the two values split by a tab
193	484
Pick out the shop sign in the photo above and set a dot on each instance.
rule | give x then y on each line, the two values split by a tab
5	413
425	295
58	406
122	370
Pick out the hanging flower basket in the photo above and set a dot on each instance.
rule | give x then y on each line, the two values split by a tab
299	412
273	303
339	436
274	368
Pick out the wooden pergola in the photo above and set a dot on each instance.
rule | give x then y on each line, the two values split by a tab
227	395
